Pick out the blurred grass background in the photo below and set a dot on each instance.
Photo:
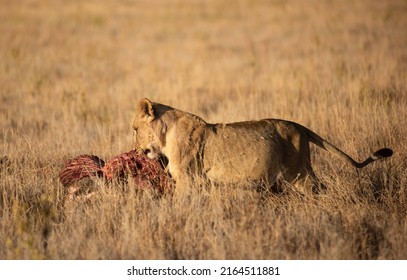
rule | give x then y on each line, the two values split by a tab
71	73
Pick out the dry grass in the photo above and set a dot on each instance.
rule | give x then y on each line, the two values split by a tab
72	71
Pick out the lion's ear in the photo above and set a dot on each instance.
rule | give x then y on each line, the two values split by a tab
145	109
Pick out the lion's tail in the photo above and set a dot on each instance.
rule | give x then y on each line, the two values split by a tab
319	141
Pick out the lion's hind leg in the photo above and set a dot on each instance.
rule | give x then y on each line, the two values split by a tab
307	179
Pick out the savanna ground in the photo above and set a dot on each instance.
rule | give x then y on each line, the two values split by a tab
71	73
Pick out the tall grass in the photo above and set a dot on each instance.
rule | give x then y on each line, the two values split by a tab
69	81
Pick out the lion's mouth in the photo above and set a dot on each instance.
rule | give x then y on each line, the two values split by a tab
143	151
146	151
151	153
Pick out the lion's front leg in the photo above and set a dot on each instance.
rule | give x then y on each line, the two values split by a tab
185	173
184	179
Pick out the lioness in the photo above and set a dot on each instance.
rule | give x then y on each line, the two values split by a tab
267	150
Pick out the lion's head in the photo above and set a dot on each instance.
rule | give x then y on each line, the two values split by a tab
149	127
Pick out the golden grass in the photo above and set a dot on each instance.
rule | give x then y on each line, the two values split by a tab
72	71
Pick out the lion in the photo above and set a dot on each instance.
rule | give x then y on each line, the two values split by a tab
267	150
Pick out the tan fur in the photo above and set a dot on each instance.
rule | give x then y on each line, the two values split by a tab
267	150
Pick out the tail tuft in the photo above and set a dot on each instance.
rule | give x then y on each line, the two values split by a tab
383	153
